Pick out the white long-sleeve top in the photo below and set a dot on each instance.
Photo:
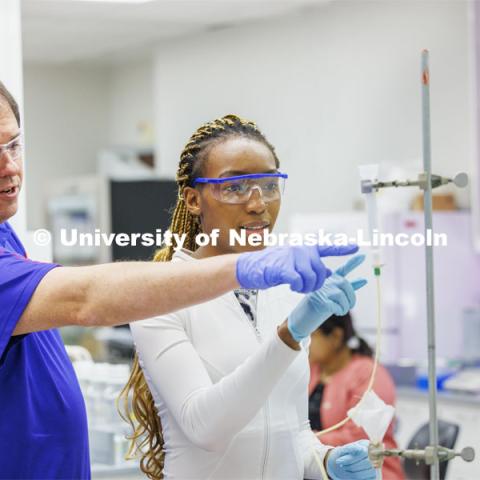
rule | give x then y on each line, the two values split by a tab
232	398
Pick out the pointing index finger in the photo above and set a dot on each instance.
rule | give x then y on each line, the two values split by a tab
336	250
350	265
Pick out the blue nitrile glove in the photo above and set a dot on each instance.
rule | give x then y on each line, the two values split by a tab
336	297
350	462
300	266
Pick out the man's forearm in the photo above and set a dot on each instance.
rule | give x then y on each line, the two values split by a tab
119	293
126	292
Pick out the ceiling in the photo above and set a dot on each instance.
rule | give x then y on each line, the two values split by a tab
59	31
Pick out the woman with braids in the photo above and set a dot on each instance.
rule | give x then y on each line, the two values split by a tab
341	363
219	390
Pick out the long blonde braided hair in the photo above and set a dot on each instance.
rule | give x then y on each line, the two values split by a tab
136	404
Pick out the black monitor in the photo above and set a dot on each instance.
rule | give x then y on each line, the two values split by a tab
140	206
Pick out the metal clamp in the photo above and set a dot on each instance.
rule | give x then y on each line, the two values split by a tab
377	453
460	180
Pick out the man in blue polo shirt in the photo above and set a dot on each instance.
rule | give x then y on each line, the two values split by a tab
43	426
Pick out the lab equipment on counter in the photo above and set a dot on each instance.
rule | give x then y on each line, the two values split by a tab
101	384
465	381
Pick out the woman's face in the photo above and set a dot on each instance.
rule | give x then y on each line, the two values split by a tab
234	156
324	348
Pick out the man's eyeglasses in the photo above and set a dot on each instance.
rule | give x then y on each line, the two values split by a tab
238	189
14	148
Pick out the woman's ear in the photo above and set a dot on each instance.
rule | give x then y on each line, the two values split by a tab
192	201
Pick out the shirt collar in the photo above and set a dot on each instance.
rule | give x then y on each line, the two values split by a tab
5	229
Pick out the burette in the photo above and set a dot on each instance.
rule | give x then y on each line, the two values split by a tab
368	175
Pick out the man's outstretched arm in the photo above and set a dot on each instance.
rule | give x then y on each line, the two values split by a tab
119	293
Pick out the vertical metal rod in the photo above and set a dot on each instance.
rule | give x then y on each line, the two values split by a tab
427	197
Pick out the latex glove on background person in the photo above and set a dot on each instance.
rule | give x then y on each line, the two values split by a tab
335	297
301	267
350	462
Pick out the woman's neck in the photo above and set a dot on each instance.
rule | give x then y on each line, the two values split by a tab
206	252
338	361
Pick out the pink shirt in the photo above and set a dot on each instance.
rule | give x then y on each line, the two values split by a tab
344	390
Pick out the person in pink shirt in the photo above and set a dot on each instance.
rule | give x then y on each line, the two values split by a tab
341	364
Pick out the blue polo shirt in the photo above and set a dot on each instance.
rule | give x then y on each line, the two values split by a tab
43	423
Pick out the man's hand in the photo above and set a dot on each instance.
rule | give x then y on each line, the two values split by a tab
300	267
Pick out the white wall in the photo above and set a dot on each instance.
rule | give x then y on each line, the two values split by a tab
66	121
72	111
130	116
11	76
332	88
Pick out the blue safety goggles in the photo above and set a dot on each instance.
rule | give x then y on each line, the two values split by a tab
239	188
